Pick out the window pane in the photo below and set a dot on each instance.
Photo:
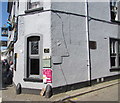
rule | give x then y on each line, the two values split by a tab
34	47
113	47
34	4
119	47
34	70
113	61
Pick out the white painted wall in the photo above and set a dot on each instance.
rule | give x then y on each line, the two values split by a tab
37	23
65	34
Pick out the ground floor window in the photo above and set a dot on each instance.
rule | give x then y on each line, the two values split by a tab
115	53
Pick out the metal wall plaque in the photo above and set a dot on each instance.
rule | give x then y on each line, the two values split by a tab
47	50
93	44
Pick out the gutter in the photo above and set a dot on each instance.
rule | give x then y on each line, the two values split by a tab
88	45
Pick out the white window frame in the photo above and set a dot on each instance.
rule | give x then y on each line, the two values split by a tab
115	52
30	2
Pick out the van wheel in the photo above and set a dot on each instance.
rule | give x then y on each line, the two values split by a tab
18	88
48	92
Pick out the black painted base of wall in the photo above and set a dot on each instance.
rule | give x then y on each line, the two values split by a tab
75	86
83	84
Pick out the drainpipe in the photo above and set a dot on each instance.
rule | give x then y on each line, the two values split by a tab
88	38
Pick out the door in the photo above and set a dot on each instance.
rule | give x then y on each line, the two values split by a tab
33	57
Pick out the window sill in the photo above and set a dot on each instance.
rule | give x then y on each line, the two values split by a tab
114	69
115	21
33	10
33	79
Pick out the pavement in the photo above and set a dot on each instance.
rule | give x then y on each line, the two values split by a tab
104	93
83	94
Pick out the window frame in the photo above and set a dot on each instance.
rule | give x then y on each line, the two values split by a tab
30	49
115	54
114	9
31	9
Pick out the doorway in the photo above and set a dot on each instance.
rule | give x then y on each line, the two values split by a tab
33	56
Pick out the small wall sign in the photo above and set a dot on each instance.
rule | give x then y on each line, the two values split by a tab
47	75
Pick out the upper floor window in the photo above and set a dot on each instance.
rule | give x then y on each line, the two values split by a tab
33	4
115	9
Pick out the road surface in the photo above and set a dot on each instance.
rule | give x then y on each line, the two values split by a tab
106	94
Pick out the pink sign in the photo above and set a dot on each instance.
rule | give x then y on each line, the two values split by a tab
47	74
